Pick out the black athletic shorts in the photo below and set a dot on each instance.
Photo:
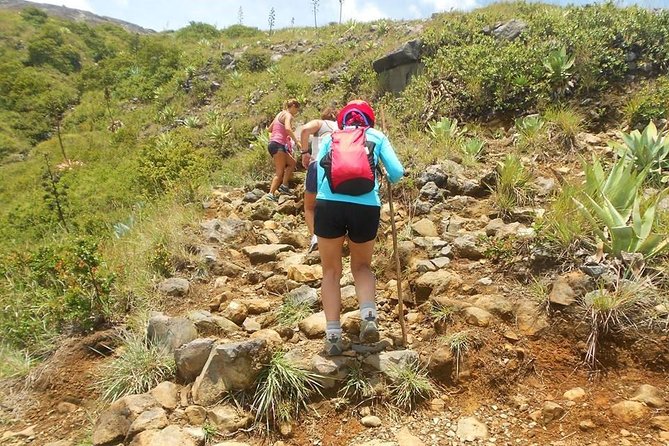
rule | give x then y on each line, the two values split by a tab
274	147
335	219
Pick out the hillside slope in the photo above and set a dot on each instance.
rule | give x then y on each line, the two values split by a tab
533	227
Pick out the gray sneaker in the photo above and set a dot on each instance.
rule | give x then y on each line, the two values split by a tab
333	347
369	331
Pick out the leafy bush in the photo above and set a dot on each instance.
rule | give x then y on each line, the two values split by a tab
171	163
140	366
51	289
34	15
651	103
50	48
241	31
196	31
255	60
530	131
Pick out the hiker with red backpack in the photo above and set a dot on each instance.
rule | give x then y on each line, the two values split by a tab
348	205
311	136
281	133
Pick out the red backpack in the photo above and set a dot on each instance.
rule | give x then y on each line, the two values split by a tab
349	165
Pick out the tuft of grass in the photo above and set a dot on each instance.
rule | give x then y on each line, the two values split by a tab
472	149
539	292
608	311
563	223
140	367
409	385
566	123
356	387
14	363
460	343
512	185
282	391
292	311
442	314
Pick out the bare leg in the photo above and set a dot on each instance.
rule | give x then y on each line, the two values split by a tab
279	159
330	251
361	267
288	170
309	208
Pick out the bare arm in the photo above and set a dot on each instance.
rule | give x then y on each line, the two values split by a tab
289	128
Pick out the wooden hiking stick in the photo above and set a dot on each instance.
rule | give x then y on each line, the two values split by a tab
396	254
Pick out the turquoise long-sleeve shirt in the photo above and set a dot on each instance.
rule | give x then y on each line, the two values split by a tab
382	151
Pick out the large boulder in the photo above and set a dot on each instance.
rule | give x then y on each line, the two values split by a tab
386	361
171	332
409	53
471	429
174	286
113	424
506	30
154	418
265	253
191	358
221	231
170	436
228	419
437	282
233	366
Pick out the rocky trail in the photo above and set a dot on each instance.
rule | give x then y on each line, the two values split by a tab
521	381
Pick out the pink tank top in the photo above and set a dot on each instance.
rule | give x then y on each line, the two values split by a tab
278	131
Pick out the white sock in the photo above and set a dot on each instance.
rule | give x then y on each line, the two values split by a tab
314	239
368	311
333	330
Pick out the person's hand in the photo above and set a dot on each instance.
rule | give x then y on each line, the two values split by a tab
306	159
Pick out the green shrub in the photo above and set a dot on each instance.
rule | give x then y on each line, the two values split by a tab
61	287
651	103
196	31
255	60
241	31
34	15
171	163
558	71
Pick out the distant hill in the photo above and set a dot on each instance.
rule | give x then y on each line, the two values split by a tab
73	14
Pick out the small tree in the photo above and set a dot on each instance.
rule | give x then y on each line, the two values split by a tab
240	16
341	6
54	195
271	19
314	4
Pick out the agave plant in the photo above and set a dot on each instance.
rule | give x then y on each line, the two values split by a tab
558	65
646	150
446	128
192	122
528	127
472	149
615	201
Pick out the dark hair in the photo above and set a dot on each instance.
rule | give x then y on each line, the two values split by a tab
329	113
292	102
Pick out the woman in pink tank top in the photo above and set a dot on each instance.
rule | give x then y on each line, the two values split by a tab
281	132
